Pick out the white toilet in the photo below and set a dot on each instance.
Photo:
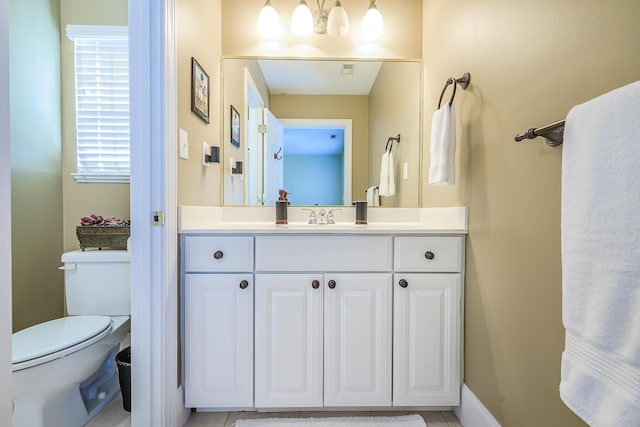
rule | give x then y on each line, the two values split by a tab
64	370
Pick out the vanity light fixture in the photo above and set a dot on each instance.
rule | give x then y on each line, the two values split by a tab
304	22
372	24
269	21
338	22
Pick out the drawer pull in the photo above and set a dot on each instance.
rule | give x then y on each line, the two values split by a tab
403	283
244	284
429	255
332	284
218	255
315	284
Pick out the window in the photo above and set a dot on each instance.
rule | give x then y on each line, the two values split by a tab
102	102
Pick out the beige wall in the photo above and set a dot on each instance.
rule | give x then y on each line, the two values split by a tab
402	39
394	108
354	107
36	181
81	199
198	35
530	62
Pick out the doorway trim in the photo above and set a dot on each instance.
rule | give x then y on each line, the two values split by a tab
348	147
157	398
6	393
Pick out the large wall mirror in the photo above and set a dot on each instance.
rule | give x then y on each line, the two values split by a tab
319	129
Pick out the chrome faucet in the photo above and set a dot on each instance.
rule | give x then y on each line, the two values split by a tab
322	216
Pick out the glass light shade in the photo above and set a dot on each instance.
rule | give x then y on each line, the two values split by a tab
338	22
372	24
269	22
302	20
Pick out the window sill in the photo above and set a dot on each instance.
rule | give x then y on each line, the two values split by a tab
98	178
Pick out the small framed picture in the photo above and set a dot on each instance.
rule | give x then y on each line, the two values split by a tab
235	127
199	91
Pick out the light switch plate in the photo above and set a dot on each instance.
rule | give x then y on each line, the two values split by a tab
183	144
405	171
205	152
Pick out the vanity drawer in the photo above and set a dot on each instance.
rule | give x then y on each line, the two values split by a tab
218	253
323	253
428	254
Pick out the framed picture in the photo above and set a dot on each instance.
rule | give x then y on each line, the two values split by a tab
235	127
199	91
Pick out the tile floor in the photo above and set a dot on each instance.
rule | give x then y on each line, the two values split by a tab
115	416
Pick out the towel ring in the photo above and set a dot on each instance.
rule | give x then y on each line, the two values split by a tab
462	81
390	141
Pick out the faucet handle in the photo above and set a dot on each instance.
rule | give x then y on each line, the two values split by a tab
313	219
330	218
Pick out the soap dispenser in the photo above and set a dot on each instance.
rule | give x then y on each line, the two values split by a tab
281	207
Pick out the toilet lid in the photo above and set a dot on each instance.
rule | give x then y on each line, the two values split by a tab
56	338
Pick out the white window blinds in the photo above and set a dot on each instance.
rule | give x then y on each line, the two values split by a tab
102	102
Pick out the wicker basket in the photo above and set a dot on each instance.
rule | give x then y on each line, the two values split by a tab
103	236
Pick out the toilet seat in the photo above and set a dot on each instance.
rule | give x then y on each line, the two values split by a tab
56	338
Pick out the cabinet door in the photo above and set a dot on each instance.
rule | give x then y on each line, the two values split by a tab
218	340
426	346
288	340
357	341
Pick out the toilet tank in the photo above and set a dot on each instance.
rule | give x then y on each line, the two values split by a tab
98	282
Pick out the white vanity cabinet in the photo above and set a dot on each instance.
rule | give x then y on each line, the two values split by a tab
356	319
218	321
288	344
357	339
323	339
427	317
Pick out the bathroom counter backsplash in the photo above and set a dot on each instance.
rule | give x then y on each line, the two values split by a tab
261	219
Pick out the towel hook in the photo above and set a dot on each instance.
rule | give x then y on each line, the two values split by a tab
276	156
462	81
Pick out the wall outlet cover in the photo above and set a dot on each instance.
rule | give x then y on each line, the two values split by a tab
183	144
205	153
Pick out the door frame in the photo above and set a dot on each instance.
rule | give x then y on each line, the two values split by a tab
348	148
6	394
157	398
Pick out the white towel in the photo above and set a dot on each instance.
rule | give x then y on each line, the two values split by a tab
373	198
443	146
387	187
600	377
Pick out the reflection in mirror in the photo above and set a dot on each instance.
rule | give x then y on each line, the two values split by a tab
319	130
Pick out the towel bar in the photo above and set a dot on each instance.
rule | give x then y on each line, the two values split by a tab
553	133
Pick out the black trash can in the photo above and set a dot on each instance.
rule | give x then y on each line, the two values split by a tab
123	360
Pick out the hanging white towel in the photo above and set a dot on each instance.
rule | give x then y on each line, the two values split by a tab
443	146
373	198
600	376
387	185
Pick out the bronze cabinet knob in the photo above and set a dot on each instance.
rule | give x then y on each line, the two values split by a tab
403	283
315	284
218	255
244	284
429	255
332	284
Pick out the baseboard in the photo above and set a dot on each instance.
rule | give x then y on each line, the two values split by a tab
471	412
182	413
